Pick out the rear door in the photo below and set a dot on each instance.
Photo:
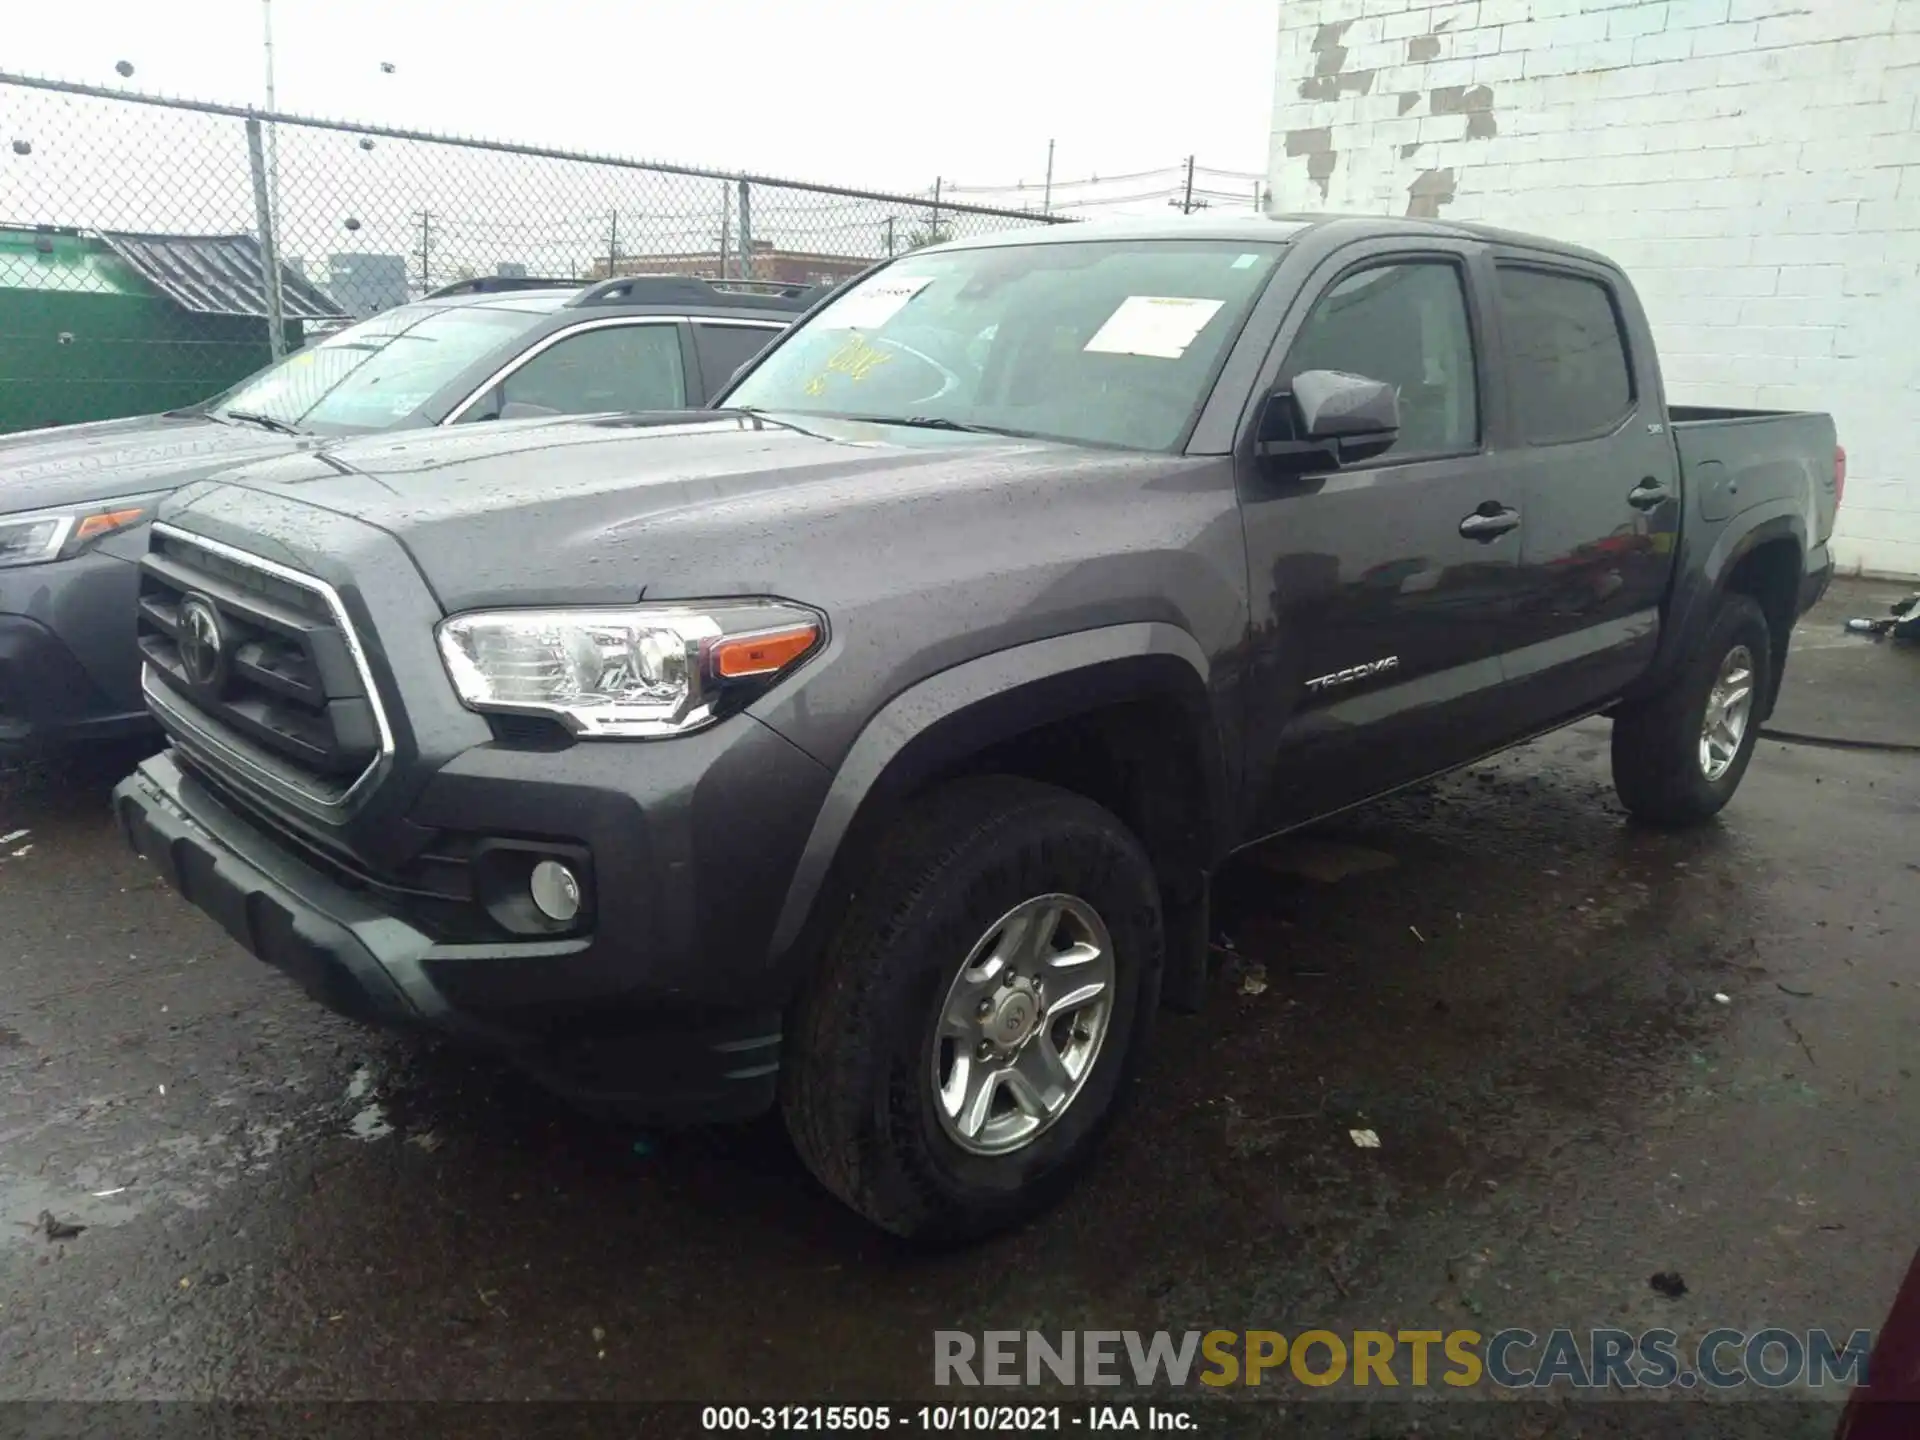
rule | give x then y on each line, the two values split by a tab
723	346
1601	483
1378	618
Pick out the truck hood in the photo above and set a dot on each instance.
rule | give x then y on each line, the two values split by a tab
76	464
602	511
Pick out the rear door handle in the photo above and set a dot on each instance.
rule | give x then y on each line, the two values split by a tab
1490	522
1648	493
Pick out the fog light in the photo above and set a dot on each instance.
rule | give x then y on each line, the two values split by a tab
555	891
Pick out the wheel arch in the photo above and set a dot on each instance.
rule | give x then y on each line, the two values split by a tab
1762	554
1122	714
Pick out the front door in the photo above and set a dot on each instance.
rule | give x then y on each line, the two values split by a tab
1381	590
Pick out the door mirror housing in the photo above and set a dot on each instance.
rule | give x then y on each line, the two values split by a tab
1328	418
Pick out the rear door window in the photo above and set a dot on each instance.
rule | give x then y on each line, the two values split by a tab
723	349
1567	365
609	368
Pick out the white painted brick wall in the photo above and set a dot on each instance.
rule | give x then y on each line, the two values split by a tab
1754	163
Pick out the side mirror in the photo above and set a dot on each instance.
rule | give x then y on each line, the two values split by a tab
1332	417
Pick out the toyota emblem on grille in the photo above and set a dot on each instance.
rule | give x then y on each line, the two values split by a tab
203	654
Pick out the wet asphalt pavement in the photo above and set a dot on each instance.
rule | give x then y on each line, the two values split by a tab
1519	993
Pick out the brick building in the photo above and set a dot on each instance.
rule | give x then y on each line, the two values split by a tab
770	262
1755	164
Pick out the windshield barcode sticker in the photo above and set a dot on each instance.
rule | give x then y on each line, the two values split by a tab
1162	326
874	303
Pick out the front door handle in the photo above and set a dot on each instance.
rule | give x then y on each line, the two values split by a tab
1648	493
1490	522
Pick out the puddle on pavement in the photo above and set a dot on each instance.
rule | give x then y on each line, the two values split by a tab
370	1121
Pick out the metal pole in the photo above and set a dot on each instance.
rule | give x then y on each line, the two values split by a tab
613	243
1186	204
1046	200
426	250
269	255
726	226
273	139
746	230
933	230
890	220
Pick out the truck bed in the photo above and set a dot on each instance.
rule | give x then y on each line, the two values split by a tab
1734	460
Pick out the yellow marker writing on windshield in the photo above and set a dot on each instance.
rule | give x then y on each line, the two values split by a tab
856	360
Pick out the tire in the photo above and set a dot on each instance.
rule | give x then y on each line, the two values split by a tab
1659	769
861	1087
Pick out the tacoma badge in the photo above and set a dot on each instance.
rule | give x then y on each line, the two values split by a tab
1357	672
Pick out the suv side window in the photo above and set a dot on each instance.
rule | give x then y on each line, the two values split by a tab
1567	367
1404	323
614	367
723	349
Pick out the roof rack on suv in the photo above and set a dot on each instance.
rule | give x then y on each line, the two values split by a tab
500	284
692	290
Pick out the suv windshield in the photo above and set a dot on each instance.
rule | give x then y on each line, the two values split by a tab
372	375
1105	342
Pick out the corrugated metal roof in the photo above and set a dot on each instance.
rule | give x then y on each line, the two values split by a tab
218	275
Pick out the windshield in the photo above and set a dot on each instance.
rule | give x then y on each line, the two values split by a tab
373	375
1107	342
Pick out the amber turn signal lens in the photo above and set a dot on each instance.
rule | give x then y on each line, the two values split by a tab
107	522
762	654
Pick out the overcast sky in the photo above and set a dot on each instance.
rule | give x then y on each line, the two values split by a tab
881	93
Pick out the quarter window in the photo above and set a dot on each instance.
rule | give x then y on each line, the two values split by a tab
1406	325
1567	367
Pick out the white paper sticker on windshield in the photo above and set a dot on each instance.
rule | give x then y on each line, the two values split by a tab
1159	325
874	303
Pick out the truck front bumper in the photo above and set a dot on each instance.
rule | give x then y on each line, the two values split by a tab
654	1059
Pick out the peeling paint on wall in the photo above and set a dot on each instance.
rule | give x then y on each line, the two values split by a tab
1317	146
1407	152
1408	99
1330	79
1430	190
1475	102
1332	87
1423	47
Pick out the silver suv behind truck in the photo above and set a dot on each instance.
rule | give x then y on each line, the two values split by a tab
75	500
865	746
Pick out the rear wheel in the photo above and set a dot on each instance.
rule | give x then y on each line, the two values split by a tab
1679	756
969	1032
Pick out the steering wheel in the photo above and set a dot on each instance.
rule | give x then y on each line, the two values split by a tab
949	380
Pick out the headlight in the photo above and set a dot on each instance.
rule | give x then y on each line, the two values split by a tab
644	670
42	535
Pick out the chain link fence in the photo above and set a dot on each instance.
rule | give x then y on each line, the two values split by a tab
155	251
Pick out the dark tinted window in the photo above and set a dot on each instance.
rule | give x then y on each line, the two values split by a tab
723	349
1405	325
1566	358
619	367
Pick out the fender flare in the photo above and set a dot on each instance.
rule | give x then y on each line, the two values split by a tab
1701	583
981	702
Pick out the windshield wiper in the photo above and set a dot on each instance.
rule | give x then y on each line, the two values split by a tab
265	422
930	422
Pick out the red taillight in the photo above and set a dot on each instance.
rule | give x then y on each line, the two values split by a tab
1839	473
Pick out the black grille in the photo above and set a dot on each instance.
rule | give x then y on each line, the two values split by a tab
277	686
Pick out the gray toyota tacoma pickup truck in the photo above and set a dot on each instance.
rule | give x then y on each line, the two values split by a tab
864	746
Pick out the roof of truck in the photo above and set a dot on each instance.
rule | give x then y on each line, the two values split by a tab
1271	230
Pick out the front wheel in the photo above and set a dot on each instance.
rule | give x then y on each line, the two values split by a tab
970	1030
1679	756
